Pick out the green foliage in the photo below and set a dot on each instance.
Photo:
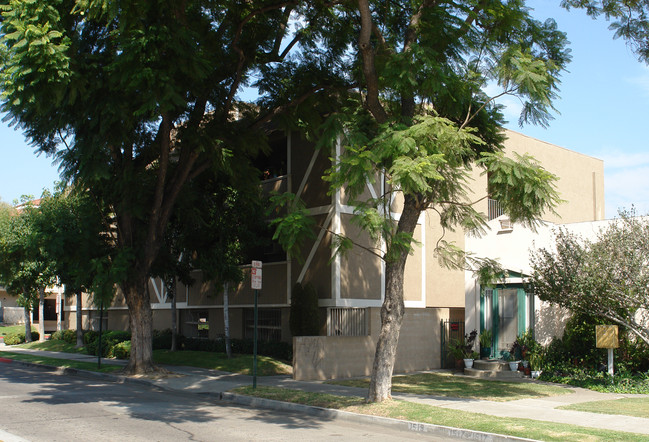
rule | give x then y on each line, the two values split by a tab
109	340
520	185
25	264
121	350
622	382
292	229
628	19
577	349
486	339
279	350
462	349
605	277
304	319
19	338
525	346
69	336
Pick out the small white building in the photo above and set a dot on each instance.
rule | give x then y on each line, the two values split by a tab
508	308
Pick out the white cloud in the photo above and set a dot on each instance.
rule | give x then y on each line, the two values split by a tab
615	159
625	187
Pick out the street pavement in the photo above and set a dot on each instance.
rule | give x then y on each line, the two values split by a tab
216	383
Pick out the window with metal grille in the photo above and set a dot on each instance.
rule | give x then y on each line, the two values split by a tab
346	321
269	324
494	209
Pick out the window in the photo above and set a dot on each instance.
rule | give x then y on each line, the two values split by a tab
195	323
346	321
269	324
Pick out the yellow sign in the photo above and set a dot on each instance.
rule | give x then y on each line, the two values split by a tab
606	336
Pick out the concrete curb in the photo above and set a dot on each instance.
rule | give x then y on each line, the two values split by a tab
250	401
69	371
396	424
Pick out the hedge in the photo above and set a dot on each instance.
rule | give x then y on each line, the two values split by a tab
19	338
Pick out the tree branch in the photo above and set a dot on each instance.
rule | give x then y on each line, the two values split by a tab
369	70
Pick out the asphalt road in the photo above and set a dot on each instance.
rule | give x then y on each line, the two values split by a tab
40	406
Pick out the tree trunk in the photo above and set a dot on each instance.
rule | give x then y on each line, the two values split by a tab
140	320
59	309
79	319
28	324
226	319
391	312
171	292
41	314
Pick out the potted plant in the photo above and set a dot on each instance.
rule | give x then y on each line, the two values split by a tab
513	363
468	360
463	349
536	362
486	339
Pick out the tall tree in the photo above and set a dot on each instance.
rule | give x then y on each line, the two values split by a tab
138	98
421	119
213	228
606	276
74	235
26	268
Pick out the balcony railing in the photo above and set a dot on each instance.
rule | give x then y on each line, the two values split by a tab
342	321
494	209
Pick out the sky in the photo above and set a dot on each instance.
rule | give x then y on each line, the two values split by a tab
603	112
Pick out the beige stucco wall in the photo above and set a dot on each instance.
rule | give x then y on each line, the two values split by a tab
581	177
360	270
333	357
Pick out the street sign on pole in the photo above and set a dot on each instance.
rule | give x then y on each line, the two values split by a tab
255	282
255	278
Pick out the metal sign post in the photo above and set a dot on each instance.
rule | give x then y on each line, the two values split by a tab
607	337
255	281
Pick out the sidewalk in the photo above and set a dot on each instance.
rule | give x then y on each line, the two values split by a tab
199	380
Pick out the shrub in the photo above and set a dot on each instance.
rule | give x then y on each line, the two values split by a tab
108	340
121	350
57	336
162	339
69	336
278	350
19	338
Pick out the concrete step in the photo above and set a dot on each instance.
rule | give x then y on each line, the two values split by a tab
491	365
477	373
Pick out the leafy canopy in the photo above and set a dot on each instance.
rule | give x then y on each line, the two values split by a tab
607	276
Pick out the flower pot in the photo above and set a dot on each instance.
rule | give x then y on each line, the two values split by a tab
468	363
513	365
485	352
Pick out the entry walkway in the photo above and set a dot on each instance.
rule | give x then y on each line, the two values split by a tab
199	380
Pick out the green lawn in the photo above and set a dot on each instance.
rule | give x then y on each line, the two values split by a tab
53	345
637	407
8	329
445	384
266	366
547	431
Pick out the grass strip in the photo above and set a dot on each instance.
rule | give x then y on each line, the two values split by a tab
636	407
9	329
410	411
63	363
53	345
447	385
266	366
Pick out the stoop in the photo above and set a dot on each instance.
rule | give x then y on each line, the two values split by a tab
493	369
